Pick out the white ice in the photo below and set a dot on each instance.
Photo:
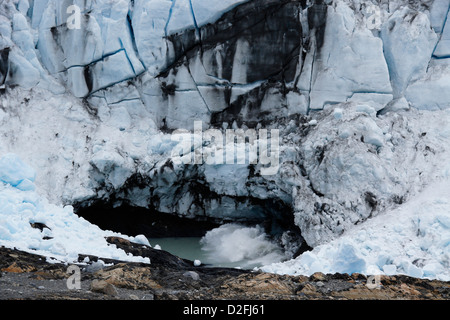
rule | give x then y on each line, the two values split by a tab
69	235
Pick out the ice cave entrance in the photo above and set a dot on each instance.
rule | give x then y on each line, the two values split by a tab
216	245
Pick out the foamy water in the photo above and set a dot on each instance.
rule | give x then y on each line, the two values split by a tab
231	245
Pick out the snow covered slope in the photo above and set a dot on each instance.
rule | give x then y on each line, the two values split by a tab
90	92
30	223
413	239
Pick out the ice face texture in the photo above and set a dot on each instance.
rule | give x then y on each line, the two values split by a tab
91	109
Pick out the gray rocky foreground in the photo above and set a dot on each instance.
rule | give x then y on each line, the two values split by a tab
25	276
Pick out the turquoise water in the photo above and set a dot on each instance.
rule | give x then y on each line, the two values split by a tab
190	248
187	248
230	245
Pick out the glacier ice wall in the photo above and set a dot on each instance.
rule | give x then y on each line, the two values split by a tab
92	107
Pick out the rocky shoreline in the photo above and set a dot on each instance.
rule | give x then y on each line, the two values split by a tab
25	276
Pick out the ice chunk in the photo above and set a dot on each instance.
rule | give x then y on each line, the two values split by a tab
366	109
224	179
13	170
23	7
413	271
347	260
347	50
26	185
25	74
390	269
297	103
443	47
389	243
409	42
120	118
438	14
141	239
191	274
338	113
432	269
77	82
375	100
181	17
431	91
372	133
113	166
149	21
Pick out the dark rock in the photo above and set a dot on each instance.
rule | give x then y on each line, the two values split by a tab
104	287
371	200
192	274
157	257
4	65
40	226
318	276
169	277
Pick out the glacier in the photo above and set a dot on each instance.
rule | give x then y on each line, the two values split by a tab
63	235
357	88
412	239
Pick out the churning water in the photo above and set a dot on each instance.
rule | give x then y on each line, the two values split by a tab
230	245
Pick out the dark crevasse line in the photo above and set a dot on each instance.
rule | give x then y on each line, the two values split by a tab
132	36
195	20
169	17
199	92
104	56
88	77
441	57
127	57
4	65
123	100
441	34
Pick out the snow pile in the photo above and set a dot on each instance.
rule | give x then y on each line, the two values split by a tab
358	165
413	239
245	246
402	153
64	235
15	172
